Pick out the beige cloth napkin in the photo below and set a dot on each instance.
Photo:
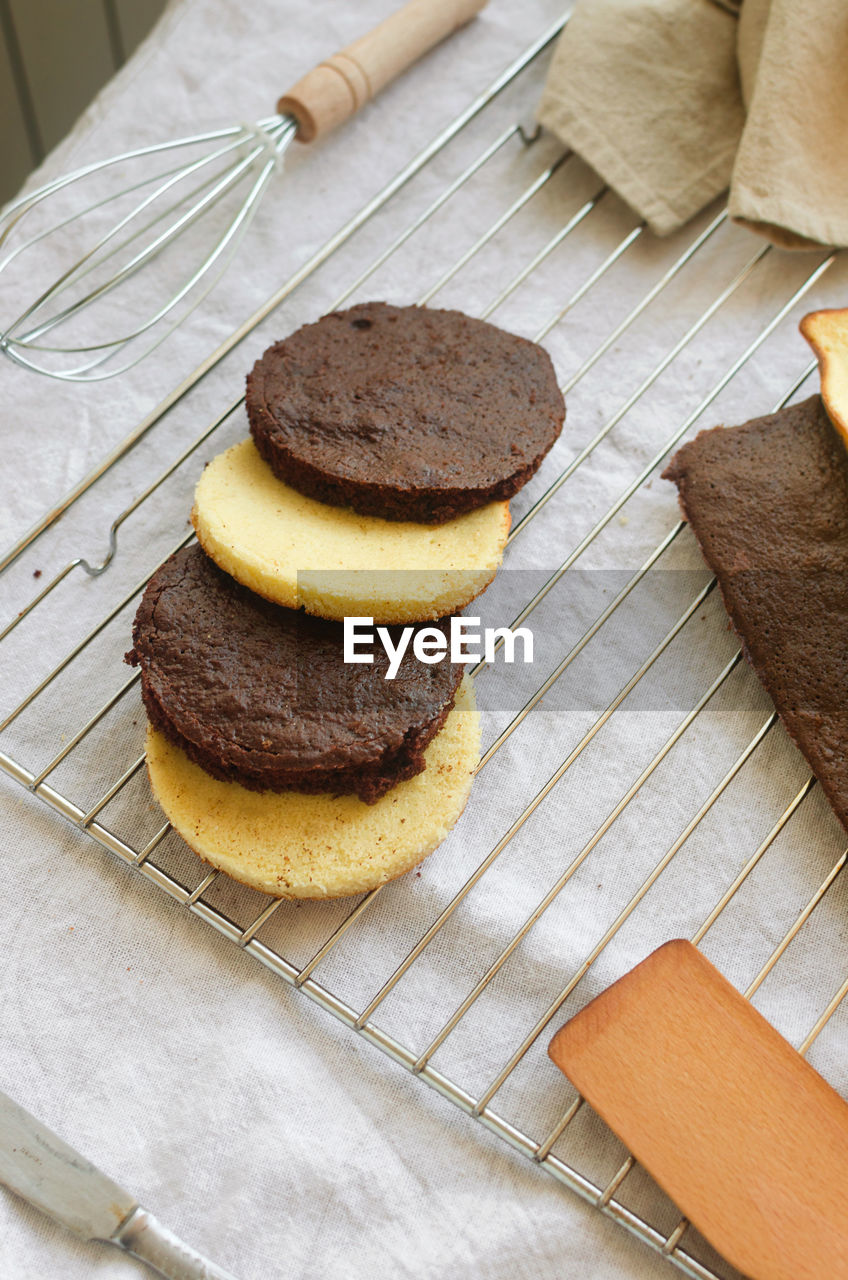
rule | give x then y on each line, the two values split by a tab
672	101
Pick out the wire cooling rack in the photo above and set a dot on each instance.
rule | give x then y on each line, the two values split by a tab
91	774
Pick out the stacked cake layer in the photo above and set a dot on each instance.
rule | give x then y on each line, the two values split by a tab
385	444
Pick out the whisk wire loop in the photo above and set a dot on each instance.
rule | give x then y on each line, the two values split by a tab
244	153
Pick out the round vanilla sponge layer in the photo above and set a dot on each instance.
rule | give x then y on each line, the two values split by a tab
303	846
333	562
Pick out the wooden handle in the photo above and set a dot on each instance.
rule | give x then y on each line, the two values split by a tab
737	1127
337	88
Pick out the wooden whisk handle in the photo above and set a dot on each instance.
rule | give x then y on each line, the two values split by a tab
338	87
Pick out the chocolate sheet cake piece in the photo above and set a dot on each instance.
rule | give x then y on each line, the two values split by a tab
403	412
260	695
768	503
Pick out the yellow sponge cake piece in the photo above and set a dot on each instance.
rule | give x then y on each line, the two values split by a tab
328	560
292	845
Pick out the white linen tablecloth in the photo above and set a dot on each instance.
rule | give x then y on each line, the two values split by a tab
250	1121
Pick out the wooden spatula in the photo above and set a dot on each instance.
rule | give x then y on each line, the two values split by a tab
748	1140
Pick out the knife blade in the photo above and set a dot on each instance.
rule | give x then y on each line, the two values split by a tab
50	1174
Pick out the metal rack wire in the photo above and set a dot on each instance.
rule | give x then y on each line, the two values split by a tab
247	919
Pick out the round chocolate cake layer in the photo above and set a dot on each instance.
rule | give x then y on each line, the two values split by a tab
258	694
404	413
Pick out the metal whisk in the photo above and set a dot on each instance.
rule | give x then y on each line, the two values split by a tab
222	181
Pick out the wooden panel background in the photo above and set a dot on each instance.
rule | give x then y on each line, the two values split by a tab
54	56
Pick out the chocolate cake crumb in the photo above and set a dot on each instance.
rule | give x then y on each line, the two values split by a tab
260	695
768	503
404	412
